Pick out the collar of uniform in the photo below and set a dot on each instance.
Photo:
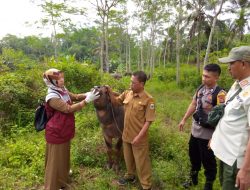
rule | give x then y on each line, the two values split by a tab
211	90
244	83
138	94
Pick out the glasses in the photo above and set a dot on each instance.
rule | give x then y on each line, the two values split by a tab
134	83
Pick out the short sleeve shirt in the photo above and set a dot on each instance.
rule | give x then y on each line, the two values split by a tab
229	141
205	95
139	108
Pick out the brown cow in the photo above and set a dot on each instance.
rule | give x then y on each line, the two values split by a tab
111	118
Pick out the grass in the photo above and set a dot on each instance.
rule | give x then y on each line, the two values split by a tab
22	156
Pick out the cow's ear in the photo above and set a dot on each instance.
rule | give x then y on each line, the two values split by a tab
108	89
116	93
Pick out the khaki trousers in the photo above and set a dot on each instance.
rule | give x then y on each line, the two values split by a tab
57	166
137	159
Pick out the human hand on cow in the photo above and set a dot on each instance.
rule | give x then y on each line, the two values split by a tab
86	94
91	96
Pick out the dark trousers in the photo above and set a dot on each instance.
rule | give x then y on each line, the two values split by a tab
227	175
200	154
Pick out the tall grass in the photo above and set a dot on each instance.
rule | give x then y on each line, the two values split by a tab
22	154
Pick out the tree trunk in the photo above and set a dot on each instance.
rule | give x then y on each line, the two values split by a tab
198	48
129	57
152	50
211	34
178	44
142	60
126	54
165	53
103	46
106	46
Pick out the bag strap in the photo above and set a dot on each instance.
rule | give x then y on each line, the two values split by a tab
236	93
215	94
45	103
199	98
198	89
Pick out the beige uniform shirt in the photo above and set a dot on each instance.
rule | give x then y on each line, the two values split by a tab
139	108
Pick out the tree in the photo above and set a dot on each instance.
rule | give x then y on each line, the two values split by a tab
241	10
212	31
197	17
178	42
82	43
141	18
57	16
120	37
103	8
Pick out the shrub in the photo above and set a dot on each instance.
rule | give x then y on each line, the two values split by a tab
22	159
79	77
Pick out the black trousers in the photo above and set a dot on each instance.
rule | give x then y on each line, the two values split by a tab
200	154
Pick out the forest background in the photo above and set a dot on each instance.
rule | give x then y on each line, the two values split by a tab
170	40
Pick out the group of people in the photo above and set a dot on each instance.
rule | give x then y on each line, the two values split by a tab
139	114
229	141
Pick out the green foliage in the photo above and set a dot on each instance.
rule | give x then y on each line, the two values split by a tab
22	161
117	85
22	88
188	76
14	60
79	77
82	43
225	80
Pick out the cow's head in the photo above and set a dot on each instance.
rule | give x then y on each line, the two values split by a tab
104	98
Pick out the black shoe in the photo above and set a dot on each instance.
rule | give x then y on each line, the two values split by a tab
208	185
194	177
193	180
126	180
187	184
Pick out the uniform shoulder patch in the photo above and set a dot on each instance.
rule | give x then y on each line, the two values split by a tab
246	93
152	106
221	97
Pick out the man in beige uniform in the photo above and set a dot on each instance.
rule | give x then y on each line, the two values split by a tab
139	114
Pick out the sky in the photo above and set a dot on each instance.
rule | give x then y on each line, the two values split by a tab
14	14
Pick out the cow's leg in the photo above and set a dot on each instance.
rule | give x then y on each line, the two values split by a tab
118	153
108	142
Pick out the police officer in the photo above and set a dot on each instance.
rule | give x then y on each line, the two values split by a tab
206	97
139	114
